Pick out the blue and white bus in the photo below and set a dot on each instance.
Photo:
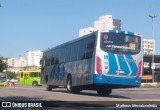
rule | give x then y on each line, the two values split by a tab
101	61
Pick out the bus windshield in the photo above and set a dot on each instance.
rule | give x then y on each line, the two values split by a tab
120	43
2	79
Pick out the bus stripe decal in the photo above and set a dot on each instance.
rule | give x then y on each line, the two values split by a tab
112	64
130	70
124	65
132	65
117	61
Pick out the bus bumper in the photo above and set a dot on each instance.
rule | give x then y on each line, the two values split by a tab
115	80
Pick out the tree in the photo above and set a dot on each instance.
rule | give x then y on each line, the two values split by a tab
3	65
11	75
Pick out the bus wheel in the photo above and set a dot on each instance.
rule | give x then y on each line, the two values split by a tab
104	91
70	88
69	84
49	88
35	83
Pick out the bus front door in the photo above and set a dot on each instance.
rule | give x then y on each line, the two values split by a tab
25	78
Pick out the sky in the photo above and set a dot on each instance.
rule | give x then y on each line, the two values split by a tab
41	24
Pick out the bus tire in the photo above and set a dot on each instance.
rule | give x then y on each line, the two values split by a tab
70	88
49	88
104	91
69	84
35	83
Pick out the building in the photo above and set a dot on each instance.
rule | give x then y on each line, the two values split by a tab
20	62
148	46
104	23
107	22
17	62
33	57
10	62
85	31
147	70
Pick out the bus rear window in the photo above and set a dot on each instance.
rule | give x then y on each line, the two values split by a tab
120	43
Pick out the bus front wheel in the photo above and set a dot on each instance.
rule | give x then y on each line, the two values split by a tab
70	88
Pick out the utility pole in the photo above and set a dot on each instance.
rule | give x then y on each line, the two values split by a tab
153	43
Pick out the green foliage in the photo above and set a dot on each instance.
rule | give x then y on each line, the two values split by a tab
3	65
11	75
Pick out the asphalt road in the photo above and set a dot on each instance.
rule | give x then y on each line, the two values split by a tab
118	96
60	94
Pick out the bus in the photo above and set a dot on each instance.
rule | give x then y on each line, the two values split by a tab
101	61
30	77
3	80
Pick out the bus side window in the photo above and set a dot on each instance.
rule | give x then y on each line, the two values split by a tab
61	55
21	74
90	47
67	53
34	74
74	52
81	49
47	62
52	60
56	58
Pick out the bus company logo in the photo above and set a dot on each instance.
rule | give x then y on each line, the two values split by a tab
119	71
106	37
6	104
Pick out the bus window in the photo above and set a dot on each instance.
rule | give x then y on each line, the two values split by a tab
21	74
61	55
90	47
81	50
34	74
74	51
25	76
67	53
120	43
47	62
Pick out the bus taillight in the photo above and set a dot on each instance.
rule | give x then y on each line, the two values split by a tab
98	65
139	69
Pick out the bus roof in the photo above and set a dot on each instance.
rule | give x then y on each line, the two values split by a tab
72	41
124	32
37	70
93	33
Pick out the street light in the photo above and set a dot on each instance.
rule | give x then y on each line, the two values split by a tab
153	65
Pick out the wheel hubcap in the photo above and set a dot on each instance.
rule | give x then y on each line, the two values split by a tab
68	85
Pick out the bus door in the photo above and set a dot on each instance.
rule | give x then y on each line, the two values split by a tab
26	75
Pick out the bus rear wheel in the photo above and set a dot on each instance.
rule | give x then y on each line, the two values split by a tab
70	88
35	83
69	84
